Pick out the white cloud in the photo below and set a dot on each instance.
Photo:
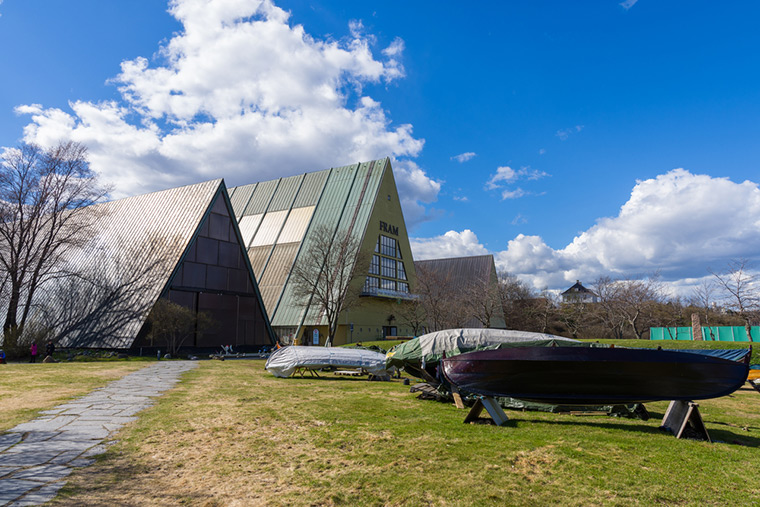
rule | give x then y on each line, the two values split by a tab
512	194
627	4
241	93
507	175
563	134
678	223
464	157
451	244
415	188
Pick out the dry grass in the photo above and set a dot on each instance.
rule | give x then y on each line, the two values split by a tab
26	389
231	434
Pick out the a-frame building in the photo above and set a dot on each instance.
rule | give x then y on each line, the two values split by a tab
278	220
181	244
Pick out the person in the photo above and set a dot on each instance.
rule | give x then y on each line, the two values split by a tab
49	349
33	351
2	356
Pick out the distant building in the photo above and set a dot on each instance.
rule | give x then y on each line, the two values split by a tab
278	220
461	274
579	294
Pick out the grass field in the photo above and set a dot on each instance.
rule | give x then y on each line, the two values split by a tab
232	434
26	389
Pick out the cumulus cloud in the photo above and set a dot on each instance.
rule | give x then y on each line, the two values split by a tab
563	134
451	244
415	189
677	223
240	92
464	157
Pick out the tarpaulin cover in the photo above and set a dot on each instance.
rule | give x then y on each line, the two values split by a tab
730	354
428	349
283	362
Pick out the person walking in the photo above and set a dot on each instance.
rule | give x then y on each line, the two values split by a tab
49	349
33	352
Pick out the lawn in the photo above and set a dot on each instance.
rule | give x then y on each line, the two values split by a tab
232	434
26	389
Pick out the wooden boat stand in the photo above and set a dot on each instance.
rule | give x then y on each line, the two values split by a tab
491	406
684	420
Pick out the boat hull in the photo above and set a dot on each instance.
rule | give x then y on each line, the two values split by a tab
594	376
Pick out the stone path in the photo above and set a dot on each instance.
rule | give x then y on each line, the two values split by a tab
37	456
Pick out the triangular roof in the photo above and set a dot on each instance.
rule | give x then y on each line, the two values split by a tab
138	242
276	218
578	287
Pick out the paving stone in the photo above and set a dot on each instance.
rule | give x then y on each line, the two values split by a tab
39	496
4	471
12	489
32	469
9	440
45	473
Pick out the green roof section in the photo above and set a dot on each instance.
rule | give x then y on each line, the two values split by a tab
341	198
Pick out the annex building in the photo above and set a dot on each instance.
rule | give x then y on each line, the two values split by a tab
470	286
279	221
182	244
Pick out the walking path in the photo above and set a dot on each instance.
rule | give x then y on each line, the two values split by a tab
37	456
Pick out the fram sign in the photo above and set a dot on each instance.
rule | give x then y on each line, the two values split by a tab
390	229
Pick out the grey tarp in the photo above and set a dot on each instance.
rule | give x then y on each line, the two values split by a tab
283	362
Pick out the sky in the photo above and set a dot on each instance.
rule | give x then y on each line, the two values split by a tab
571	140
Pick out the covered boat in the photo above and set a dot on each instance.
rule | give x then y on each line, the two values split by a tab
596	375
283	362
420	356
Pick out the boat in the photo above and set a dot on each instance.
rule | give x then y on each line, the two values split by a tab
598	375
287	360
420	356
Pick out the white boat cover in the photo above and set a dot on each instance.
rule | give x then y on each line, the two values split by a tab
283	362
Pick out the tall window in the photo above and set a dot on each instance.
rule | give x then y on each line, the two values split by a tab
385	263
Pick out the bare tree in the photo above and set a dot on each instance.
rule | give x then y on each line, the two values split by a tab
323	274
740	291
515	297
606	311
174	324
702	297
484	301
637	302
39	191
445	306
98	298
413	314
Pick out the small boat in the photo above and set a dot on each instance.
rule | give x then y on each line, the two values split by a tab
285	361
598	376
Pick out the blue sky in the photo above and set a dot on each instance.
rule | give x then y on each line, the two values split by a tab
570	139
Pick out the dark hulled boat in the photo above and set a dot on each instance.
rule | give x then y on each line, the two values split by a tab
598	376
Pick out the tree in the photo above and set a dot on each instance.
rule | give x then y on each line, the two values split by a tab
484	301
40	190
96	302
515	297
173	324
323	274
740	291
444	306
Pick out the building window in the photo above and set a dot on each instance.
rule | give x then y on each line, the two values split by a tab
372	283
403	287
374	267
388	284
389	268
401	270
388	246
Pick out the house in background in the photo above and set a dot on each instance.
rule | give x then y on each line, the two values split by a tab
473	285
579	294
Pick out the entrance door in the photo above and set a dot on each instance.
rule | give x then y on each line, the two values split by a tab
390	331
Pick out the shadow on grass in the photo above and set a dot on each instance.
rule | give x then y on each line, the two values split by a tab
114	480
717	435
